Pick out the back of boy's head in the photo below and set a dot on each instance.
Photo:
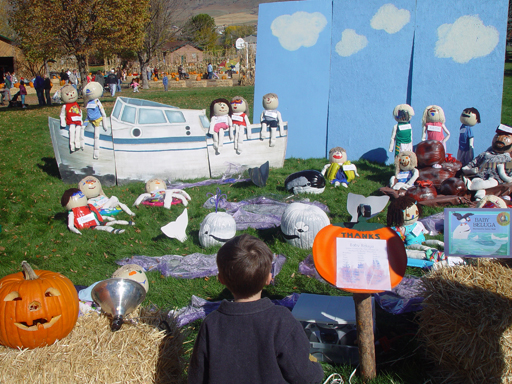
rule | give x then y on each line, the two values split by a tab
244	265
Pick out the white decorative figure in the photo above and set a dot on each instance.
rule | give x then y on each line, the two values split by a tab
82	215
240	120
176	229
271	117
433	125
300	224
71	115
91	188
469	118
401	137
157	194
133	272
339	170
95	113
220	121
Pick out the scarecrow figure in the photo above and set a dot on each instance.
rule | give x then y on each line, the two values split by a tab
433	125
240	120
488	168
406	172
271	117
469	118
71	115
157	194
339	170
83	215
220	121
401	137
95	113
91	188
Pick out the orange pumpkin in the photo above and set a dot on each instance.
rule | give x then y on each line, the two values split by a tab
155	78
62	82
177	79
224	77
31	84
36	308
2	85
16	85
325	255
198	78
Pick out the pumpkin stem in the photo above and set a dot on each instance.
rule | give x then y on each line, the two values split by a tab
29	272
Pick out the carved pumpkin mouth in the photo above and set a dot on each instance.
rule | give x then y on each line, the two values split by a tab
219	238
290	237
38	323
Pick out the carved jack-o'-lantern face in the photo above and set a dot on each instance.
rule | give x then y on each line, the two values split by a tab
36	308
216	229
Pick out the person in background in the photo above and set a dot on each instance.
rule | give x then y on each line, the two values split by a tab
14	79
135	85
165	82
64	76
99	78
47	89
210	70
8	86
23	92
155	72
119	75
39	87
274	347
88	78
112	82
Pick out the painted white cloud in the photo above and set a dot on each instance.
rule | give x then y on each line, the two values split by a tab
466	39
350	43
298	30
390	18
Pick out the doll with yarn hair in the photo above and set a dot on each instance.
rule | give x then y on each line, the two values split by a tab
83	215
401	137
433	125
402	217
240	120
220	121
271	117
71	115
406	172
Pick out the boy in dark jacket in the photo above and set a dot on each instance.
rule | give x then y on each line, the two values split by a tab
250	340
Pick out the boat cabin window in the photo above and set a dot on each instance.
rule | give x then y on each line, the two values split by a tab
128	114
151	116
117	110
204	121
175	117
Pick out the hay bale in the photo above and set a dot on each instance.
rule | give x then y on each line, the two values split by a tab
198	84
92	353
466	323
223	83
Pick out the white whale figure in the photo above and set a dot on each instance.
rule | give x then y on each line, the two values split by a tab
493	237
462	231
176	229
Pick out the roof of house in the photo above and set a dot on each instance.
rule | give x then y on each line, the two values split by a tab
175	45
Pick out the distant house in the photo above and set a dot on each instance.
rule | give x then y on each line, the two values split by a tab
179	52
8	54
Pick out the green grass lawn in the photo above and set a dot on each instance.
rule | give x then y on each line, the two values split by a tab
34	226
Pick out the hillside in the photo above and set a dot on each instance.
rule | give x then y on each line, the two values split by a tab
225	12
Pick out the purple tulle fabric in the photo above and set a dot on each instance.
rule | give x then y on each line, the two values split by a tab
199	308
260	212
434	224
188	267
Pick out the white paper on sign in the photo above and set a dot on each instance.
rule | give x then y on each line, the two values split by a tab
404	127
237	118
362	264
434	128
350	167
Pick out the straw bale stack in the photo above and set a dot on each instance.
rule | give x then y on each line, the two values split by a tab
92	353
466	323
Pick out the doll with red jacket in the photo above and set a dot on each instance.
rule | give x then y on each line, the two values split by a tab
83	215
220	121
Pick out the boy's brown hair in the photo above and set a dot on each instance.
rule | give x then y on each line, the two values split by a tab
244	263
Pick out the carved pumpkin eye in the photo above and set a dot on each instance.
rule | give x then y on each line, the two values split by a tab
50	292
12	296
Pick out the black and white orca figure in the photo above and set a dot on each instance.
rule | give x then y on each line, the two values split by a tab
309	181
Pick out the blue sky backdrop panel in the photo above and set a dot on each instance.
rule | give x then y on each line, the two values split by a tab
370	57
459	54
292	61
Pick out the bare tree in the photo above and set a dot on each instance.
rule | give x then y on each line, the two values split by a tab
158	31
